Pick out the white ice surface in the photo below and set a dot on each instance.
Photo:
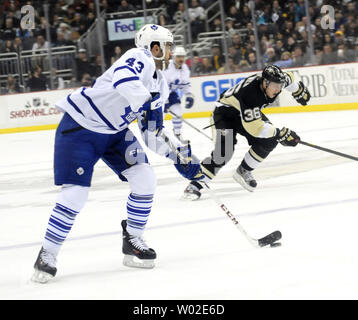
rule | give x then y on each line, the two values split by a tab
309	195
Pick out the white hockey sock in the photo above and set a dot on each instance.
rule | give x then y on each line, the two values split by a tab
252	159
138	209
177	121
70	202
177	125
59	225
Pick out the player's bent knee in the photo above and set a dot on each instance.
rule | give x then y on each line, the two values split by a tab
73	196
141	178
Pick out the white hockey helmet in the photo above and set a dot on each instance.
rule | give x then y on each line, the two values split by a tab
153	33
179	51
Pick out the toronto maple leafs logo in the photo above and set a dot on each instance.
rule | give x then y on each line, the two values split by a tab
128	115
154	27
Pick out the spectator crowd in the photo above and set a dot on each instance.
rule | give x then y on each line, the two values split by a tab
282	29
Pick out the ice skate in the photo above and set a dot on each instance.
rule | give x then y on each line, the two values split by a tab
45	267
192	192
136	252
245	178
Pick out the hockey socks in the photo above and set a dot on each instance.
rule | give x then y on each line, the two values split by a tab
251	160
138	209
59	225
177	125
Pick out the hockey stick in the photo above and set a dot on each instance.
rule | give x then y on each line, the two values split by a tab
329	150
270	239
190	125
209	126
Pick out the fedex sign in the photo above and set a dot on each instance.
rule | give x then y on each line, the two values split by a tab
134	25
121	29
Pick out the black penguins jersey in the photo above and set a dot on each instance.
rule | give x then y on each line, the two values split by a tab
248	99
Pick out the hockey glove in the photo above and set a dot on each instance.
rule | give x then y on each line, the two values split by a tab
154	103
302	95
153	121
189	101
153	115
287	137
189	168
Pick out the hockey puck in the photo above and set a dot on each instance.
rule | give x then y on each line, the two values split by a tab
275	244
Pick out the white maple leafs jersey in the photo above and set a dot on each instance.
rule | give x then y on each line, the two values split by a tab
178	79
154	142
117	96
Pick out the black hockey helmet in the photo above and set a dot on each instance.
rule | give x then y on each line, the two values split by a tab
273	73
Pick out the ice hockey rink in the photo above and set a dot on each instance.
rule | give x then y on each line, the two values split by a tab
309	195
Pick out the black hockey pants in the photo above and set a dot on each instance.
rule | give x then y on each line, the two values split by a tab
228	125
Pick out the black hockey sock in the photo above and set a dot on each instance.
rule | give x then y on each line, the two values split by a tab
197	184
246	166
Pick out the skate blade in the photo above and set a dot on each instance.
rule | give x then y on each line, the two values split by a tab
41	277
134	262
189	197
242	182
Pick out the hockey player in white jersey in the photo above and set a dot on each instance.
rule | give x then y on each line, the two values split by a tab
95	126
178	78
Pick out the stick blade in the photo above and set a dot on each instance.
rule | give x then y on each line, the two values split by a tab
270	238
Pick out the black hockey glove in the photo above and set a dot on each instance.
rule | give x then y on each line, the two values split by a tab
302	95
287	137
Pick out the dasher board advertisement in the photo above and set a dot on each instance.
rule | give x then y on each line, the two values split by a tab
122	29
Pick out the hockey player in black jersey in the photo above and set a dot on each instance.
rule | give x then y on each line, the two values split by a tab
238	111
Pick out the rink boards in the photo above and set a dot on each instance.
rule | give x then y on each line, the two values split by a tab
333	87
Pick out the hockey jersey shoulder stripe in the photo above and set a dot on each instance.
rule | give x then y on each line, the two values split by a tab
94	107
125	67
124	80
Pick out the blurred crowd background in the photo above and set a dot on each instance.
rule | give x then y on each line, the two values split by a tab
224	37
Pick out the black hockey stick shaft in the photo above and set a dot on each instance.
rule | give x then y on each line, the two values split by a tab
190	125
328	150
210	125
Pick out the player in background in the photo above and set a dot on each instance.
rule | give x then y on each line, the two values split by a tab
95	126
238	111
178	78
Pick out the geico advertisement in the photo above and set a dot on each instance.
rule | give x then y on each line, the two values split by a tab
121	29
207	89
329	84
30	109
